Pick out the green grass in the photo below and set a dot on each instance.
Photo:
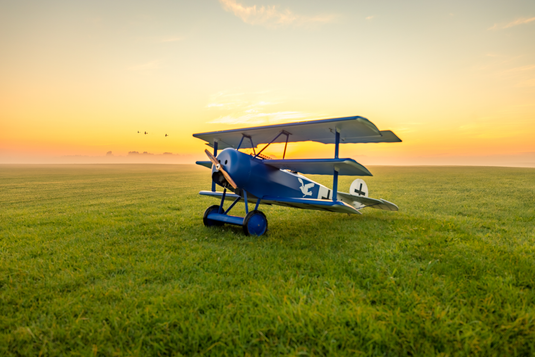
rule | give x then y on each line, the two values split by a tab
115	260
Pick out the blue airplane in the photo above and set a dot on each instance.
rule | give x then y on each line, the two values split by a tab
270	181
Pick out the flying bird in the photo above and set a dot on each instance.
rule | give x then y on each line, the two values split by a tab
146	133
165	134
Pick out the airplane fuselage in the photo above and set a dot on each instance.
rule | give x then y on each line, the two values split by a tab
259	179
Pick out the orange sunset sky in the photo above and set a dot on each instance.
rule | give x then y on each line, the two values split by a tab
454	80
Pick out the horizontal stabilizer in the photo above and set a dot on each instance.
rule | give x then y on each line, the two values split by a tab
321	166
207	164
362	202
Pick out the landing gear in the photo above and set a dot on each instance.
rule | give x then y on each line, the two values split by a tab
255	223
210	222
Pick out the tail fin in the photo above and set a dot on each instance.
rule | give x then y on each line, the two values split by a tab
359	188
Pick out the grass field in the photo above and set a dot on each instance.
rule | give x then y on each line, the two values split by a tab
115	260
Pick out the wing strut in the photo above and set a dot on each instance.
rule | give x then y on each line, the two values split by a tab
282	132
241	141
252	145
243	136
335	171
215	155
285	145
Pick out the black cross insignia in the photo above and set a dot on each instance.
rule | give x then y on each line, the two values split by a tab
359	191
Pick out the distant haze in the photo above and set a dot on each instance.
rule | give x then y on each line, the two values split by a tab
522	160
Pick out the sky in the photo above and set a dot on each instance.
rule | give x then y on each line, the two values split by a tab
454	80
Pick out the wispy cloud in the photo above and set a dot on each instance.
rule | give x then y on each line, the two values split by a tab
522	69
527	83
160	39
524	76
496	62
145	66
519	21
272	16
506	68
260	118
172	39
227	100
370	17
251	108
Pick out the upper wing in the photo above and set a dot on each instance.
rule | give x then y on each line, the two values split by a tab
354	129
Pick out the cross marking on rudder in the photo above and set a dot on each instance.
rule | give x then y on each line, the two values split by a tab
359	191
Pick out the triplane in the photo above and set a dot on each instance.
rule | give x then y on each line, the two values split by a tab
280	182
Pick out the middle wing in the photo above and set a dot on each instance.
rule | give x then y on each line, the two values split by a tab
314	166
321	166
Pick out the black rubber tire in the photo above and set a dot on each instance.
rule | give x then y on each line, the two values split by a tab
208	222
255	223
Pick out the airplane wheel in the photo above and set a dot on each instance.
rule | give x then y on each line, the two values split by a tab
255	223
210	222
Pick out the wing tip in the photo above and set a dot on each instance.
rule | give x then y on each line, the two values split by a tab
391	206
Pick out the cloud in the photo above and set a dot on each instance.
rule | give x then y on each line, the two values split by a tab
260	118
522	69
171	39
271	16
527	83
497	62
227	100
521	75
370	17
146	66
251	108
519	21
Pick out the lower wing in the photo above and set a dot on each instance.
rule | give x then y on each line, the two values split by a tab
303	203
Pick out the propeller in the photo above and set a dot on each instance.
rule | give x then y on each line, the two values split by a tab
220	169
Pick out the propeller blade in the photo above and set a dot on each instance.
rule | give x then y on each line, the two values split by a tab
219	168
229	179
212	158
